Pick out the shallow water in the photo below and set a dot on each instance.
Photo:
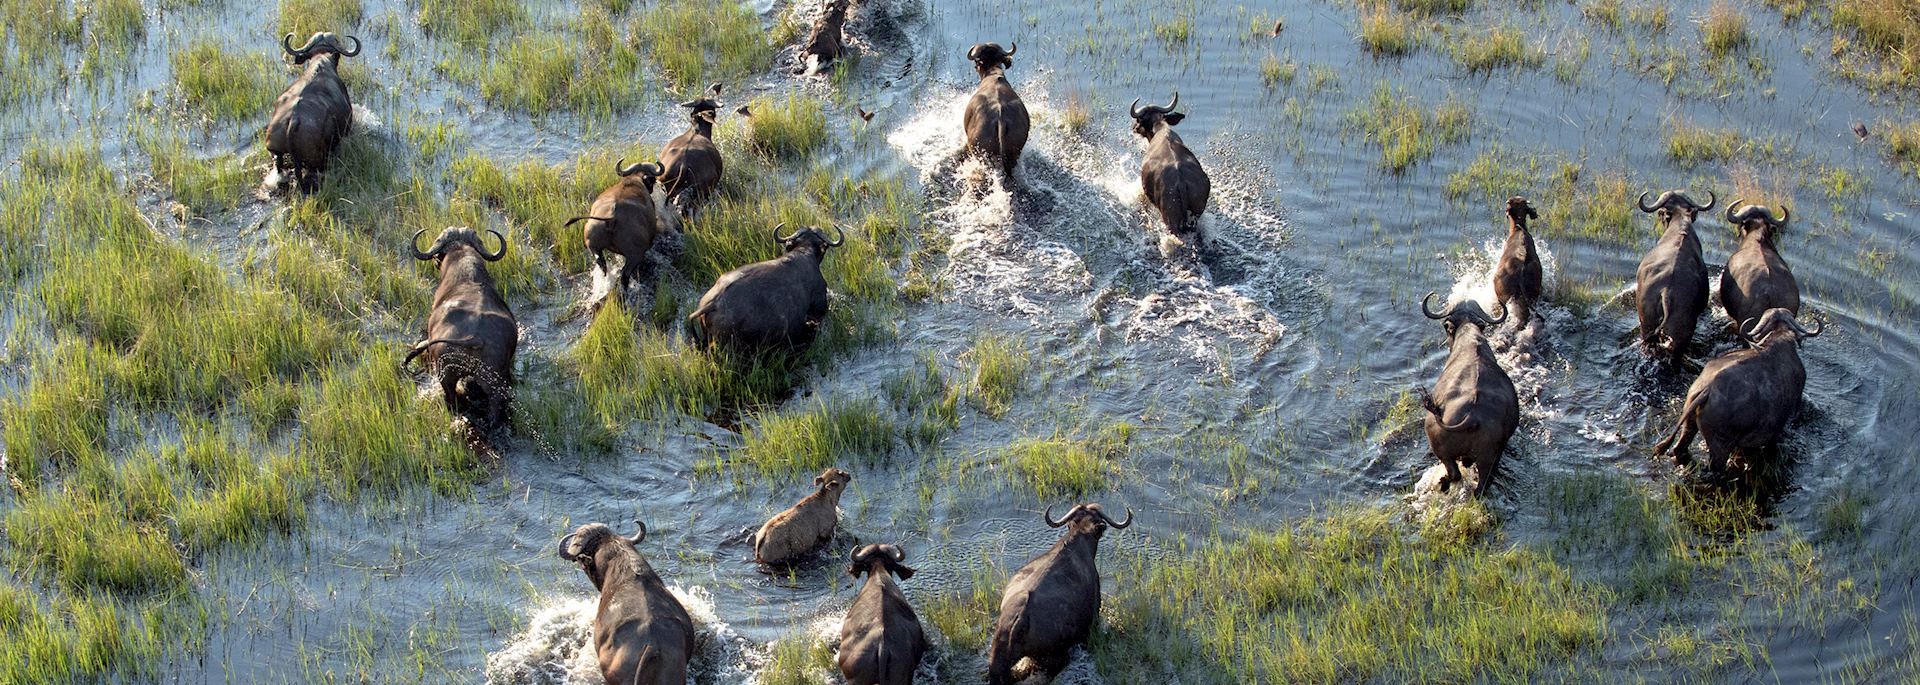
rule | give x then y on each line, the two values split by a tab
1291	331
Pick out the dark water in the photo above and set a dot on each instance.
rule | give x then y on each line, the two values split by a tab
1291	336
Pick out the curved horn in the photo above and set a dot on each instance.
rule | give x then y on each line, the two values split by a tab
624	171
1121	525
1012	48
286	43
898	555
971	52
1643	202
1818	328
1734	217
1048	517
1176	102
1711	201
715	89
355	52
1424	309
1495	322
776	233
840	236
1133	110
497	254
563	547
1785	216
637	537
415	244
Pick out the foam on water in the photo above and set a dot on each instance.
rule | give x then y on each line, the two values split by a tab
1524	352
557	646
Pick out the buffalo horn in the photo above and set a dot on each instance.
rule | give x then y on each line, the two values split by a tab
563	547
640	535
1497	322
1133	110
1120	525
355	52
970	51
1749	327
898	555
286	43
782	239
497	254
1711	201
1175	104
840	236
1736	218
1804	333
415	244
1051	523
621	167
1785	215
715	89
1427	310
1013	48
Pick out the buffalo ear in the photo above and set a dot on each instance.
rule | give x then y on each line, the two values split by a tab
855	570
902	571
819	480
1006	62
1173	118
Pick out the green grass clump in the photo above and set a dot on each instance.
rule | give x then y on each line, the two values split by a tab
1428	8
369	430
1724	30
1406	132
225	85
1690	145
1062	467
698	42
67	638
1175	30
965	617
549	71
303	18
1387	33
470	22
85	545
788	128
1573	200
1001	371
1503	46
1353	596
542	198
60	418
629	371
1903	144
800	658
1877	40
202	183
833	433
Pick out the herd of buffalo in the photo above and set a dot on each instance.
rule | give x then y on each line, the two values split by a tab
1741	400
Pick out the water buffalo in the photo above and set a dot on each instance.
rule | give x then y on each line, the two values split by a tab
622	219
641	634
824	45
1744	398
690	163
1050	604
471	334
805	526
1672	282
1170	175
996	120
1516	280
314	113
1757	279
1473	408
771	305
880	639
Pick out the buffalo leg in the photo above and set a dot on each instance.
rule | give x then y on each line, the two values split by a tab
1677	442
1717	452
1485	469
1453	472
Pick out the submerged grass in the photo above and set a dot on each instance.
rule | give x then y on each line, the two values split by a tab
1403	128
1574	201
1389	33
1065	467
1724	30
1497	48
1690	145
830	433
1001	370
786	129
225	85
697	42
1352	596
204	184
304	18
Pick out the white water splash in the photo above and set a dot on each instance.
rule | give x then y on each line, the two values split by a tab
557	646
1520	351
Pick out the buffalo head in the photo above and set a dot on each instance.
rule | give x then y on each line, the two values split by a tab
648	172
1520	211
1086	519
456	236
1750	218
809	237
1463	312
582	546
705	108
990	57
1147	119
888	556
320	44
832	479
1674	203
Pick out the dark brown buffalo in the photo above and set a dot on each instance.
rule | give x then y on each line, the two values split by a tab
690	163
1051	603
825	44
641	634
880	640
1516	279
1757	279
314	113
470	335
996	119
777	304
1744	398
1672	282
1473	408
1170	175
805	526
622	220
